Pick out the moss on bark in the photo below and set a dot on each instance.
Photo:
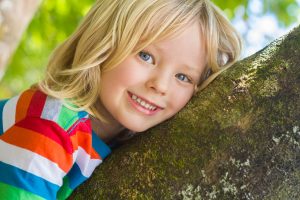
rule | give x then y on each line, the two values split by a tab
237	139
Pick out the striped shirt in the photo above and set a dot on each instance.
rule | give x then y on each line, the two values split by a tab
46	149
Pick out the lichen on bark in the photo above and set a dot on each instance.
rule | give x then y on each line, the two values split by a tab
237	139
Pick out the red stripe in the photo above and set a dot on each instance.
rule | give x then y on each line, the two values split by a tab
37	104
49	129
82	125
39	144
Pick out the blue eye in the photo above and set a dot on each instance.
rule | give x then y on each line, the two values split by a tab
183	77
146	57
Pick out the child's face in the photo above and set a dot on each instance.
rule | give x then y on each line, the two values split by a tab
148	88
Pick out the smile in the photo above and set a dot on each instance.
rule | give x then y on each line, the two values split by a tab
143	105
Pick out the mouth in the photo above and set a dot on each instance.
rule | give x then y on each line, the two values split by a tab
143	105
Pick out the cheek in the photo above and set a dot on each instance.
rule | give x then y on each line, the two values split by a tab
117	80
127	74
179	99
126	77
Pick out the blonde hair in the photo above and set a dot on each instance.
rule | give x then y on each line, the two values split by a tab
115	29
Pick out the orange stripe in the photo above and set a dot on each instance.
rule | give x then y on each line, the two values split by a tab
23	104
39	144
84	140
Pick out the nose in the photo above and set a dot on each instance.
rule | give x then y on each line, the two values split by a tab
159	83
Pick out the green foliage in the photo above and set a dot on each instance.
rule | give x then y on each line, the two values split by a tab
286	11
230	6
56	19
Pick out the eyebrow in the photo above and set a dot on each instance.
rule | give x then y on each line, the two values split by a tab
157	48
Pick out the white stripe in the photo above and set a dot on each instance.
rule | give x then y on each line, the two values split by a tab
9	113
31	162
51	109
85	163
74	155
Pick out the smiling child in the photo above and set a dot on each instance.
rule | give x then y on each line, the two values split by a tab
130	65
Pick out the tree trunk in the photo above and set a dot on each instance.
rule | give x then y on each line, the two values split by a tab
237	139
15	15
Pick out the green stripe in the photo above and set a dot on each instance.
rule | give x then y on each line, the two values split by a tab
67	117
64	192
8	192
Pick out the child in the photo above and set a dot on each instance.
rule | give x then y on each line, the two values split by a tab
130	65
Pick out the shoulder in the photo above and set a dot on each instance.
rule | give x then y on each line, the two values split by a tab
33	103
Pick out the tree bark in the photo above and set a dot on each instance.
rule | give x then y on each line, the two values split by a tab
237	139
15	16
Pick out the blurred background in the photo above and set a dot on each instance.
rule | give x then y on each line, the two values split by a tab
258	21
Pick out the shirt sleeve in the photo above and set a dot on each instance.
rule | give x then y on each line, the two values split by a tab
35	156
89	152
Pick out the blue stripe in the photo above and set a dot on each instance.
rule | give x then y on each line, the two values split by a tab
102	149
2	103
82	114
19	178
75	177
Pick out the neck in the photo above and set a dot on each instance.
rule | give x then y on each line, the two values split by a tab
106	131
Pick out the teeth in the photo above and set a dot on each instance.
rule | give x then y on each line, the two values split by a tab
143	103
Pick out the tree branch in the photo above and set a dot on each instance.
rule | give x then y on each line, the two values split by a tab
15	15
237	139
